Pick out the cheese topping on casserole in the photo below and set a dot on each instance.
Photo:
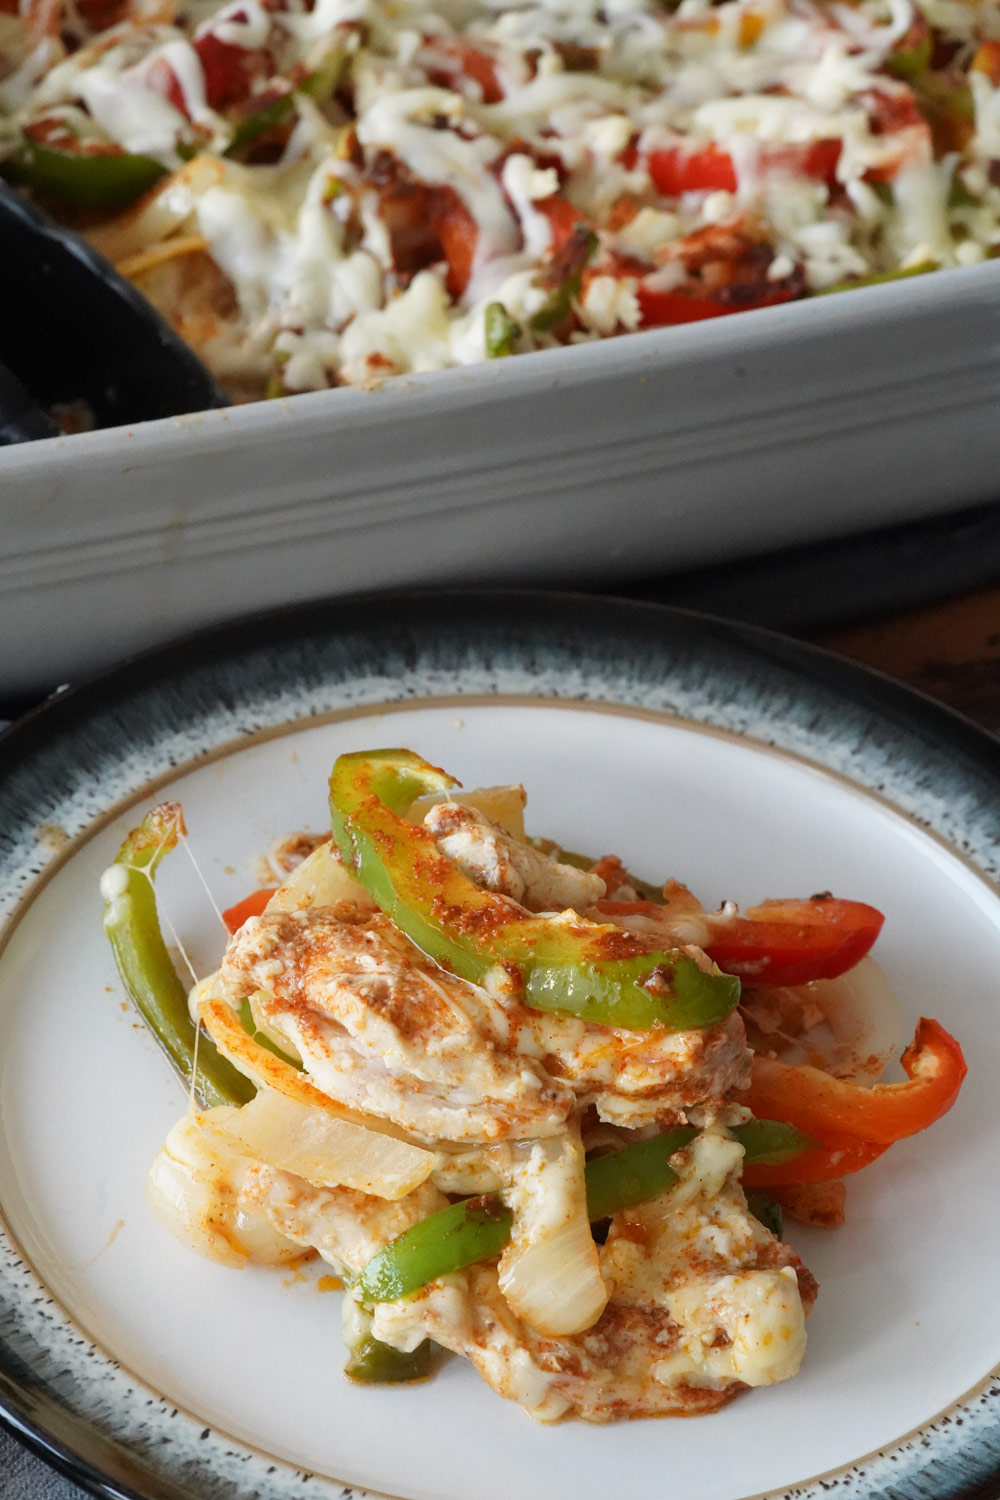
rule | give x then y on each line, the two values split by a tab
357	188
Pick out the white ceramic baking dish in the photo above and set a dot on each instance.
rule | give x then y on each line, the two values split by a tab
653	450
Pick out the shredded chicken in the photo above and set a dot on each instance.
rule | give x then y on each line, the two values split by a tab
382	1029
496	862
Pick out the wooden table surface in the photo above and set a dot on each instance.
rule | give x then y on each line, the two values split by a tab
950	650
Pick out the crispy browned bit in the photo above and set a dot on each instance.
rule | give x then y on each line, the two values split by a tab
571	259
821	1204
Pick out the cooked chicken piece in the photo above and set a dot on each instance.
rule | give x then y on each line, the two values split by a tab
704	1302
631	1077
640	1077
634	1078
496	862
503	805
382	1029
345	1227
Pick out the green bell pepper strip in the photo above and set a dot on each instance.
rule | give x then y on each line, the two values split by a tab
251	127
319	85
151	981
82	179
478	1228
595	971
455	1237
912	54
634	1174
145	966
642	1170
769	1142
876	280
959	195
501	331
370	1362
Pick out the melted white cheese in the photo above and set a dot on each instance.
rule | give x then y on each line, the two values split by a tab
584	85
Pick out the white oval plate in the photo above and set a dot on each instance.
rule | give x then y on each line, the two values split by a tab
635	731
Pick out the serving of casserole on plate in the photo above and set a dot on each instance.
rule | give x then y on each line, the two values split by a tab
746	763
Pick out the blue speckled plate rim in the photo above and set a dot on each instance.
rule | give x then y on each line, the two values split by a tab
78	755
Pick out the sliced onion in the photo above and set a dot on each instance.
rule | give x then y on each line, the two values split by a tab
312	1143
856	1033
320	880
194	1187
866	1021
159	213
550	1273
262	1067
273	1073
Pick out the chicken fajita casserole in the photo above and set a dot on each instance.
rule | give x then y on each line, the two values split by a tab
329	192
506	1093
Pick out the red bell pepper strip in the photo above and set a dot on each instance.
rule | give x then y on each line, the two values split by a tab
818	160
666	309
987	60
480	68
458	235
794	942
229	70
564	219
826	1107
780	942
250	906
830	1161
676	170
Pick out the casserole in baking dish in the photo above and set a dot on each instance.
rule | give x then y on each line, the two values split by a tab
628	455
328	192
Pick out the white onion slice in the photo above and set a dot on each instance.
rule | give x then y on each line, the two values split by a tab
550	1273
320	880
194	1189
162	212
312	1143
857	1032
265	1070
